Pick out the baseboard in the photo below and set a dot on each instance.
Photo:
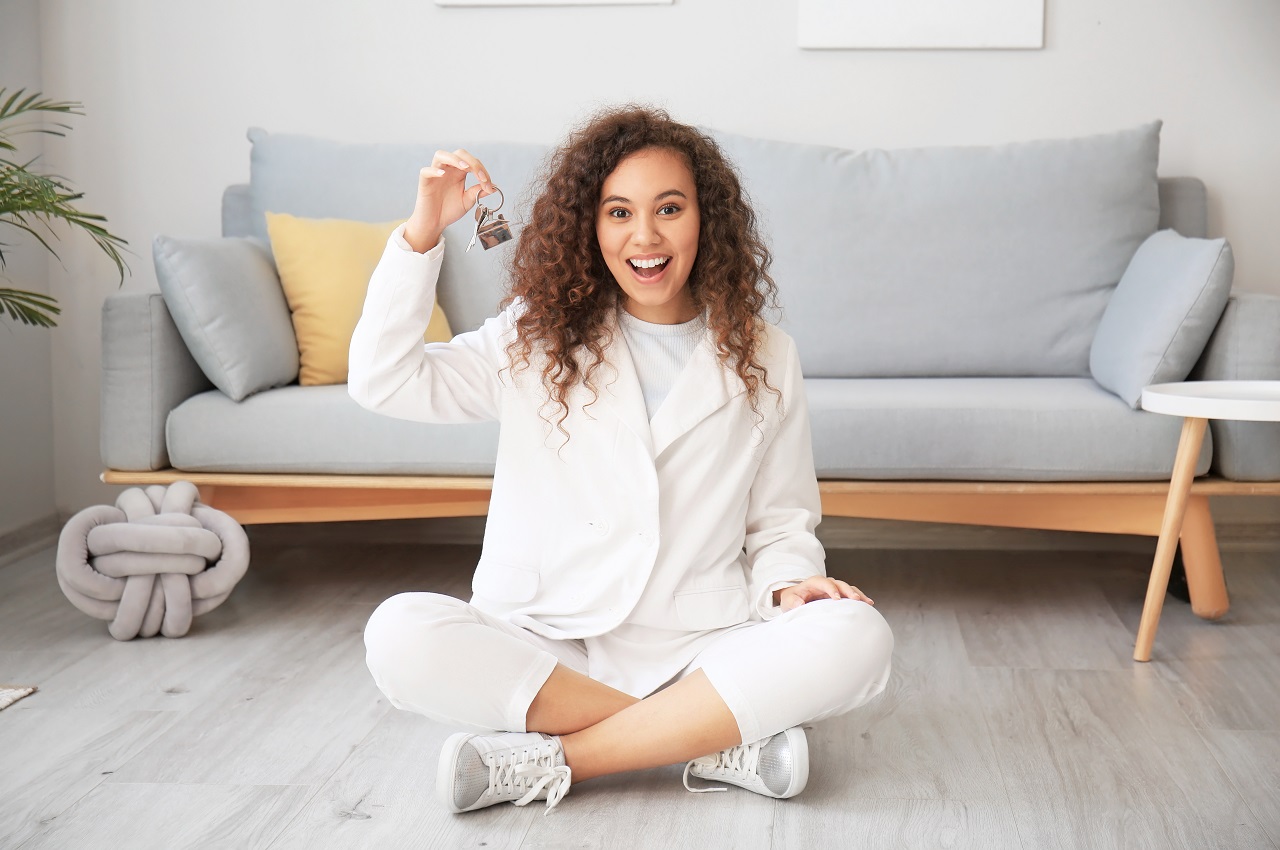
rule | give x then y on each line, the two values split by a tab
435	531
29	538
1234	535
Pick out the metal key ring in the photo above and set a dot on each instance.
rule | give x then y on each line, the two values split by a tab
481	209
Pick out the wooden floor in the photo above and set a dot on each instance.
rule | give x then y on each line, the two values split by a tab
1015	718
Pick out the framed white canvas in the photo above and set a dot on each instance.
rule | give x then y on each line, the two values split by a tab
554	2
895	24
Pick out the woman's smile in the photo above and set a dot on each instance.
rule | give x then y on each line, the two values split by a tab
649	269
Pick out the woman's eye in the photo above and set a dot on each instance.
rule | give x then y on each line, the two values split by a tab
669	209
618	212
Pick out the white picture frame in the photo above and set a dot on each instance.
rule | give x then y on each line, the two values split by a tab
554	2
921	24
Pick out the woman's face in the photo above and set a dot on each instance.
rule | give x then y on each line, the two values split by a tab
647	225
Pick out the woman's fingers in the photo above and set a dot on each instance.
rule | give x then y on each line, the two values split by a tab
820	587
447	161
850	592
477	168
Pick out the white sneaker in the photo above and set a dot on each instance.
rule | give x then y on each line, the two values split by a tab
516	767
777	766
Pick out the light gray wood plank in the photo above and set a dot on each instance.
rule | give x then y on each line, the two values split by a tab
52	758
1224	674
33	666
651	810
167	817
384	796
901	824
1104	759
34	613
288	715
1252	761
289	637
1040	611
924	737
169	674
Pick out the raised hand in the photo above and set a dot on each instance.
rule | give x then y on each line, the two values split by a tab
443	197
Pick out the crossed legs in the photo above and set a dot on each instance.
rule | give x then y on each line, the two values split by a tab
605	731
440	657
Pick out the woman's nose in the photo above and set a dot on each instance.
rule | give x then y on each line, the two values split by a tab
646	231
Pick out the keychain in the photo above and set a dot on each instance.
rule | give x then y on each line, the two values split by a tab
491	229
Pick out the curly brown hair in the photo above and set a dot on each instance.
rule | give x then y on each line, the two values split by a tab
566	289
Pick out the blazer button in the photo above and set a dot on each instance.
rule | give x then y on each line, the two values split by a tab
599	526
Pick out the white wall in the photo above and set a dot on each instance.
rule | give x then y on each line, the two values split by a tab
26	371
171	87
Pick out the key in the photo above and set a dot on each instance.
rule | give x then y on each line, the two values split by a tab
482	213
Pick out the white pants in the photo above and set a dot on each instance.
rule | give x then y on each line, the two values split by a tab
440	657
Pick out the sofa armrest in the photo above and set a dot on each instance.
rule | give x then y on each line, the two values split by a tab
147	371
1245	346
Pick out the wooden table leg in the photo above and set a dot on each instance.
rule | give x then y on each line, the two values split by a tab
1184	470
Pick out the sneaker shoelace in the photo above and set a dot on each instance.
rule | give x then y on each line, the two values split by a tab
531	777
739	760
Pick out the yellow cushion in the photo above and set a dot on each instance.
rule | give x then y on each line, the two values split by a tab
325	265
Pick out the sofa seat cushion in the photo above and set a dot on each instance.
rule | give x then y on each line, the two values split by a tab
297	429
1011	429
987	429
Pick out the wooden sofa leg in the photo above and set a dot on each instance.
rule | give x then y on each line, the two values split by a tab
1202	561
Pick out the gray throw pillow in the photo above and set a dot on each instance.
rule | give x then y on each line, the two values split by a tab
226	299
1161	314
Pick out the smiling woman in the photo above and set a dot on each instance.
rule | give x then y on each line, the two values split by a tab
643	565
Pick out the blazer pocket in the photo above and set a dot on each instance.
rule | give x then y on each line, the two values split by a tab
712	608
504	582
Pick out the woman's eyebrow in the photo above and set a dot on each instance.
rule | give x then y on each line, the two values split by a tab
621	200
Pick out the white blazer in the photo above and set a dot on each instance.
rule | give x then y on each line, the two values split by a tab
679	525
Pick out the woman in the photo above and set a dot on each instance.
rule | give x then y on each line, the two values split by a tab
650	589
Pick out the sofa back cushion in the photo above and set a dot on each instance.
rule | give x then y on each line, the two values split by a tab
951	261
318	178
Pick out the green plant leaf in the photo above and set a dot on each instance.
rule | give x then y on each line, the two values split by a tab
30	308
29	201
34	202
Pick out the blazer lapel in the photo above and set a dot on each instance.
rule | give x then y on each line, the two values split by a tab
702	388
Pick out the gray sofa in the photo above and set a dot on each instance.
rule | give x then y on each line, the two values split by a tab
949	306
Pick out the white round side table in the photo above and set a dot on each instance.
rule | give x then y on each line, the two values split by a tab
1196	402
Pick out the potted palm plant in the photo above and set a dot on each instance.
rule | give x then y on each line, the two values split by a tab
35	202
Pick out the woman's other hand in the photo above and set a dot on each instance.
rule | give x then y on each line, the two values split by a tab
443	198
818	587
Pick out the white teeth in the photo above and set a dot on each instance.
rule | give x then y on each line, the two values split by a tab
649	264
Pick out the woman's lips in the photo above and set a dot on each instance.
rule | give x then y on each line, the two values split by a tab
649	276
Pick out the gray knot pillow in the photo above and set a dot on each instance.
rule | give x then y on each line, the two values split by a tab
151	563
